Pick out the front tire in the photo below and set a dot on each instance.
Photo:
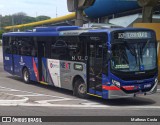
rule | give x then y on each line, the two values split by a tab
80	89
26	75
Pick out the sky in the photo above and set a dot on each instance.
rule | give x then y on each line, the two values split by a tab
34	7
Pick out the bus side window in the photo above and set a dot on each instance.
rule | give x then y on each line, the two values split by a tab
7	45
14	41
75	48
68	48
26	46
59	50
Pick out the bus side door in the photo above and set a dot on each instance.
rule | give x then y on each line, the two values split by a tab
95	67
41	55
44	46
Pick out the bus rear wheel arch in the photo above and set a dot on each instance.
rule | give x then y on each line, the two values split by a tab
26	75
79	88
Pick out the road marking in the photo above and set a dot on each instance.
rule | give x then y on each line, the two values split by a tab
24	99
13	101
90	106
33	93
90	103
136	107
87	106
8	104
29	95
47	103
54	100
5	90
65	105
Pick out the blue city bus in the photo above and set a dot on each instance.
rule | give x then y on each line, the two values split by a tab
107	63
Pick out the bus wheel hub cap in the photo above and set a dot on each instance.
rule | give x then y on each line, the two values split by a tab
82	88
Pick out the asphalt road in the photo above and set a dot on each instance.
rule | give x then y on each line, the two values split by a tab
20	99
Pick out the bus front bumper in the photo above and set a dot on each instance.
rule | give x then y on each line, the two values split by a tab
121	94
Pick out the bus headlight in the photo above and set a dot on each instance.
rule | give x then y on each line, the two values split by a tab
116	83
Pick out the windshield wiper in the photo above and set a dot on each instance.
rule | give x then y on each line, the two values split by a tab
143	49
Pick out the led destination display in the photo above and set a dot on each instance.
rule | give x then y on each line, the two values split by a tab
133	35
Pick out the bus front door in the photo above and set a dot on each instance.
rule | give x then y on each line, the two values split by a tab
95	68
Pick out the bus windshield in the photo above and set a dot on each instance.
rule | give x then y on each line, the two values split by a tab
134	56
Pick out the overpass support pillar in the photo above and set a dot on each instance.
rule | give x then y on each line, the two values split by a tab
79	14
148	6
147	14
79	18
78	6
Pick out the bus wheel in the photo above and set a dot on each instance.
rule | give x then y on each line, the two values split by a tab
80	89
26	75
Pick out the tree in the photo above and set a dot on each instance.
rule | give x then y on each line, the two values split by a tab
1	32
39	18
17	18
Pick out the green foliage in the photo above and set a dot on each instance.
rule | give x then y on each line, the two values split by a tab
1	32
19	18
40	18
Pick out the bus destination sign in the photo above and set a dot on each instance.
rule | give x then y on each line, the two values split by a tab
133	35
